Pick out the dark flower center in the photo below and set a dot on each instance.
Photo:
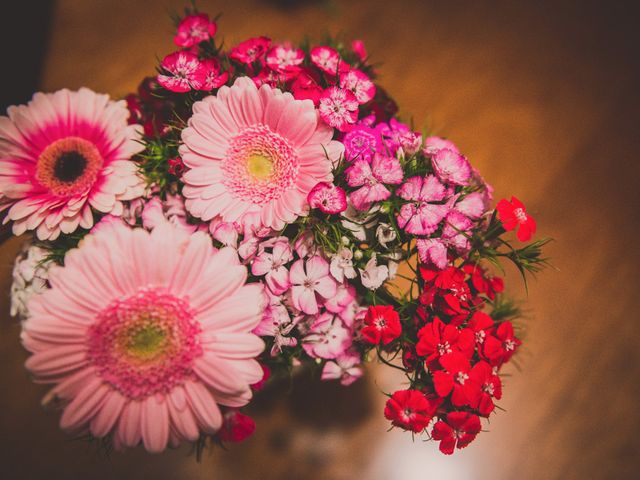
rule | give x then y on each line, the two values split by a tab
69	166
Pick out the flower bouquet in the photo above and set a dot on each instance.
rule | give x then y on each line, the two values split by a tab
247	212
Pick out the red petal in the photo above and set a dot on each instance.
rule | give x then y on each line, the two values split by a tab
443	383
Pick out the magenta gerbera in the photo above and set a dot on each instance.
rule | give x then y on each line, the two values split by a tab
141	350
255	151
62	155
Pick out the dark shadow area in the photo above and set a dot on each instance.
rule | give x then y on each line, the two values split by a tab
23	42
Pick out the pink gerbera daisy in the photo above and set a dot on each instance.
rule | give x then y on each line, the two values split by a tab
61	155
255	151
141	350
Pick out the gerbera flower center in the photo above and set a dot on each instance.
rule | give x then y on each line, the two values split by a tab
260	165
69	166
145	344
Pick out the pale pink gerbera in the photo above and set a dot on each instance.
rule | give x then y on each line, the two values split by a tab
63	154
142	350
255	151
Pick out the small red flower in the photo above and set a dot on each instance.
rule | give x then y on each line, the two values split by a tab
483	282
490	387
410	410
458	430
500	348
479	324
456	379
437	339
306	87
514	215
214	77
182	71
382	325
194	29
357	46
250	50
236	427
409	358
446	290
176	166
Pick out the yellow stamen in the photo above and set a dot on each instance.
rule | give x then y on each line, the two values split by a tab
259	166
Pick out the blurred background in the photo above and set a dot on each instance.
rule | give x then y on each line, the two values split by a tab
541	96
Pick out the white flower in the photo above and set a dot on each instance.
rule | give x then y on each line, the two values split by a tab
342	266
393	263
30	275
358	222
385	234
373	275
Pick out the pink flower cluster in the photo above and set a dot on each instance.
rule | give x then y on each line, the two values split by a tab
310	303
337	88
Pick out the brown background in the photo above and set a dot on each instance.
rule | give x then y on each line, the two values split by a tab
542	96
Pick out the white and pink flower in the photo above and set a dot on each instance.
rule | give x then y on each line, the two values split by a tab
272	266
327	337
425	211
373	275
326	59
338	107
371	178
254	151
341	265
309	279
182	72
432	251
328	198
284	57
451	167
64	154
345	367
359	84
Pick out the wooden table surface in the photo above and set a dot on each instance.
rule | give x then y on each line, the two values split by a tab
542	97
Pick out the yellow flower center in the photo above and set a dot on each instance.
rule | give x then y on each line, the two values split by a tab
260	167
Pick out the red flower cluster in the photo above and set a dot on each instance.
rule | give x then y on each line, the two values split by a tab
455	360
